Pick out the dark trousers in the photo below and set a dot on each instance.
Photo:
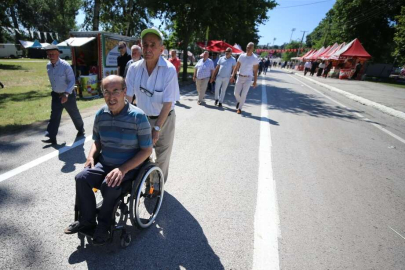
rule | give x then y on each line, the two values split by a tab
306	70
56	113
91	178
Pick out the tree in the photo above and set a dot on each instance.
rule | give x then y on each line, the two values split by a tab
190	19
399	37
42	15
292	45
126	17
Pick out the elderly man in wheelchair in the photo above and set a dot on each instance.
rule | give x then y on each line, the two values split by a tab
122	145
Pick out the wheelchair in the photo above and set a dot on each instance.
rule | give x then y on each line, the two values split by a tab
140	200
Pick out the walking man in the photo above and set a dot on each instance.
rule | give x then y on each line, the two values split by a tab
62	80
154	82
123	59
118	158
223	73
202	74
247	66
307	67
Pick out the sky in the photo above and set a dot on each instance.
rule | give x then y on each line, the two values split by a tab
303	15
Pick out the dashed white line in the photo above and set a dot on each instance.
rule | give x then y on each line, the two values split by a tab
355	113
266	222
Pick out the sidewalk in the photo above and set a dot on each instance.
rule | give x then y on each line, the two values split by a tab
389	99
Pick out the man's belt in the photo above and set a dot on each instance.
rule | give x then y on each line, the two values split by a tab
156	117
244	75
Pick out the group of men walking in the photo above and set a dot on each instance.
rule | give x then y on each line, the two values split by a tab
226	70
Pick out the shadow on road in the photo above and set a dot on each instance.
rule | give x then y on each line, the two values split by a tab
73	157
290	100
175	241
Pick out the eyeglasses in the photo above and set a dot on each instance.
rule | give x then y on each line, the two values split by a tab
146	91
114	93
121	48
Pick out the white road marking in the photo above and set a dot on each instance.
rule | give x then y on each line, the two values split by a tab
397	232
355	113
53	154
266	223
42	159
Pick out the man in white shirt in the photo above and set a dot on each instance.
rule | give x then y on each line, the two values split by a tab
153	80
247	65
307	67
202	74
224	70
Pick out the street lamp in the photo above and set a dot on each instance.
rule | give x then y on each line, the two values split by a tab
292	31
274	39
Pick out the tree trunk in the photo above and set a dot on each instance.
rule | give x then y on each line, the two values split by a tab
129	18
185	57
96	17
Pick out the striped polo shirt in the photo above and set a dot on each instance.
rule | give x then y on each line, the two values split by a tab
121	136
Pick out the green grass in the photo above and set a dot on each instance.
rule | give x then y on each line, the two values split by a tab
26	98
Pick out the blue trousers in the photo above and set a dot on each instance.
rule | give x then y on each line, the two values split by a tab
91	178
56	113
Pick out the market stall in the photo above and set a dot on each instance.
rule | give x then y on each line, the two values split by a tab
94	56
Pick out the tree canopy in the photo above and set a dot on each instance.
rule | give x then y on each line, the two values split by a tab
56	16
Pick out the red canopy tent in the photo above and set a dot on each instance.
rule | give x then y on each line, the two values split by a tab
315	55
308	53
218	46
352	50
327	55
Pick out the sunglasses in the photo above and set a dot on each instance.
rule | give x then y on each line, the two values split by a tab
121	48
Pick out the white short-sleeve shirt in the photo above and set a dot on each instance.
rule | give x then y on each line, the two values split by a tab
162	82
247	63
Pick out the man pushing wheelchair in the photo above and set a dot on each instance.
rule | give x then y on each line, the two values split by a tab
122	142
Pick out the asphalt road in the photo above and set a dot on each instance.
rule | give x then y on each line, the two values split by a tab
338	174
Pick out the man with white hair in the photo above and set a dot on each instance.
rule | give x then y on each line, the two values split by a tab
247	65
153	80
202	73
136	55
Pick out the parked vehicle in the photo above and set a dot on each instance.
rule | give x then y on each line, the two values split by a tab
10	50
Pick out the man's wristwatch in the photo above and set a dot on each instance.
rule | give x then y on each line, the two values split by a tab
66	94
156	128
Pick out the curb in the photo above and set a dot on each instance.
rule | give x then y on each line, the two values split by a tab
358	99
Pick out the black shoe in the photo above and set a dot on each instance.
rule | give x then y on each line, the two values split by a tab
220	105
1	85
76	226
237	105
216	102
80	133
51	141
101	235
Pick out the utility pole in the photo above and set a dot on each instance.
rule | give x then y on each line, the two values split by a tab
274	39
303	34
292	31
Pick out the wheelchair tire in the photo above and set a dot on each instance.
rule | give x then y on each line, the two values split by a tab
146	196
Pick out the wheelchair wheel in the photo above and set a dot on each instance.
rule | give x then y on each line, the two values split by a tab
146	197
